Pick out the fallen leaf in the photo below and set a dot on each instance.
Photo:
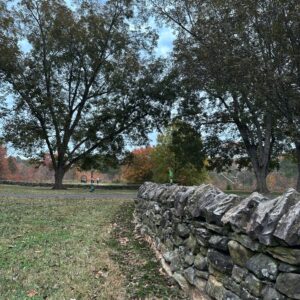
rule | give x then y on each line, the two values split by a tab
32	293
101	274
124	241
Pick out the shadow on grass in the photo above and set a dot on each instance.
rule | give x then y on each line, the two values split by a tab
144	277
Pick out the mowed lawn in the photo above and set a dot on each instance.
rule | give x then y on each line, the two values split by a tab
75	245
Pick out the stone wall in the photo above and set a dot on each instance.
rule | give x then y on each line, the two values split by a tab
220	246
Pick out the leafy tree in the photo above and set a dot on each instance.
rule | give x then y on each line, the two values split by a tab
12	165
8	39
3	162
108	163
278	26
220	53
181	150
84	86
8	49
139	165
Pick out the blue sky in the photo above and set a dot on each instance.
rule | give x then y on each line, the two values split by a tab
165	42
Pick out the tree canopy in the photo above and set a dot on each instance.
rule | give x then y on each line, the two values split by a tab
179	149
229	62
84	83
138	166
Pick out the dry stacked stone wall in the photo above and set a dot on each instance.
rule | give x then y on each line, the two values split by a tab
220	246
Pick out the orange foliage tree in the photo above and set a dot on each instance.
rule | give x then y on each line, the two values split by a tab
139	167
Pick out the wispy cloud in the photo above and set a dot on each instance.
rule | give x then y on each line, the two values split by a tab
165	42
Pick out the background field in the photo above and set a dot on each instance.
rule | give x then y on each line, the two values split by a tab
74	245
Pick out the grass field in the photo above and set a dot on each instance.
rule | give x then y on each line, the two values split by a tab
75	245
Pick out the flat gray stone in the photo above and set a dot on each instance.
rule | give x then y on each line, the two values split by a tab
200	262
214	288
245	295
191	207
181	199
239	274
181	281
267	215
240	215
182	230
219	261
288	228
219	242
270	293
201	274
263	266
289	285
200	283
221	203
246	241
202	236
189	275
189	259
174	260
253	285
203	196
220	229
287	268
288	255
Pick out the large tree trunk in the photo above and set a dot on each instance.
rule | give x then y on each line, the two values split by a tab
258	141
59	175
298	164
261	180
260	162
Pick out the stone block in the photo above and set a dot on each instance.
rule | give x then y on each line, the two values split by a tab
189	275
288	228
219	261
183	230
221	203
189	259
287	268
219	242
270	293
200	262
191	244
239	254
289	285
267	215
263	266
253	285
216	290
202	236
239	274
288	255
246	241
240	215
